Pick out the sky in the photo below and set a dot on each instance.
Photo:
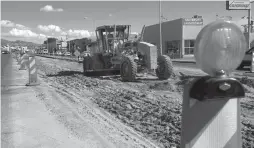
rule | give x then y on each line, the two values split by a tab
35	20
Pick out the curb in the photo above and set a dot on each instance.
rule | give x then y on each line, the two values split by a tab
249	74
178	61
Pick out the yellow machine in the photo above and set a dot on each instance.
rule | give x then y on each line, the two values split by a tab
115	54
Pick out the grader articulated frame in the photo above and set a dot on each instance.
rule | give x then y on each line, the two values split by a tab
115	55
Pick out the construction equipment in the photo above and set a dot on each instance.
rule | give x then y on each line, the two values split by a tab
116	54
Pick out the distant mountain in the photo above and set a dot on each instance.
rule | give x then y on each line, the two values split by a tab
5	42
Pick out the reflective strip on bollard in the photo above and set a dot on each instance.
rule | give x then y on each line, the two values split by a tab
32	72
23	62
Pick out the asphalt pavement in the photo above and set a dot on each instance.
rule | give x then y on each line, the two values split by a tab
194	66
26	121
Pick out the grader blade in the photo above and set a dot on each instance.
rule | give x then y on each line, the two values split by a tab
102	72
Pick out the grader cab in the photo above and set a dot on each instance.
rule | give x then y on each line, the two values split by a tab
115	54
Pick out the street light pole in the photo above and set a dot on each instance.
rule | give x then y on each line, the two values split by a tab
249	26
160	28
249	40
48	43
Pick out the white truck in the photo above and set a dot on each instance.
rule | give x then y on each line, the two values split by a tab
247	58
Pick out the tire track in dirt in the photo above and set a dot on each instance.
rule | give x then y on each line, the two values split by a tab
151	107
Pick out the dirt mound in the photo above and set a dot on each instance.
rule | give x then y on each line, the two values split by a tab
151	107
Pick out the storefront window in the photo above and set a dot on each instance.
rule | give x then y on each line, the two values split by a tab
189	47
173	48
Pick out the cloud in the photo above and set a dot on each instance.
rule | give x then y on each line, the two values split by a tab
21	26
64	33
78	33
49	28
42	36
22	33
6	23
26	33
49	8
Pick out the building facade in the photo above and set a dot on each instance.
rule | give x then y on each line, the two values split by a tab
178	36
52	44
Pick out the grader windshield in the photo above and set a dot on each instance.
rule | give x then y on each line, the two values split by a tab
110	37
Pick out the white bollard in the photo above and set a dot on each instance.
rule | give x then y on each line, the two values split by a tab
32	69
211	106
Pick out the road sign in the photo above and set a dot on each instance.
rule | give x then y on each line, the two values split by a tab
193	21
238	4
77	53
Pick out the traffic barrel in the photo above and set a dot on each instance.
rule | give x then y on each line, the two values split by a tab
32	71
24	60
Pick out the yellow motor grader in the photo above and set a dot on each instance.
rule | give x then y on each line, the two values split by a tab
114	54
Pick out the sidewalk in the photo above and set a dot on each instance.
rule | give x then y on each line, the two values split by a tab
184	60
26	123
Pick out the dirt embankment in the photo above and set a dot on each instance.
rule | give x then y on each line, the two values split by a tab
150	107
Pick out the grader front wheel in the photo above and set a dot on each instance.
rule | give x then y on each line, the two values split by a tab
128	69
165	67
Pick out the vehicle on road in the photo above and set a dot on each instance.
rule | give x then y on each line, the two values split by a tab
81	57
116	54
67	54
45	51
247	58
59	53
5	52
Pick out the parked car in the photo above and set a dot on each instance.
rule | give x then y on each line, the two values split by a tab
67	54
5	52
59	53
45	51
81	58
247	58
86	54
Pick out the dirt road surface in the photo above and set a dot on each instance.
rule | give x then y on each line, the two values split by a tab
144	113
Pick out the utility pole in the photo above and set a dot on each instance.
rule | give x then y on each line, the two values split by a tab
67	42
160	29
56	46
249	40
249	26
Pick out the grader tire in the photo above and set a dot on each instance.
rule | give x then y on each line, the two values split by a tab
128	69
165	67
